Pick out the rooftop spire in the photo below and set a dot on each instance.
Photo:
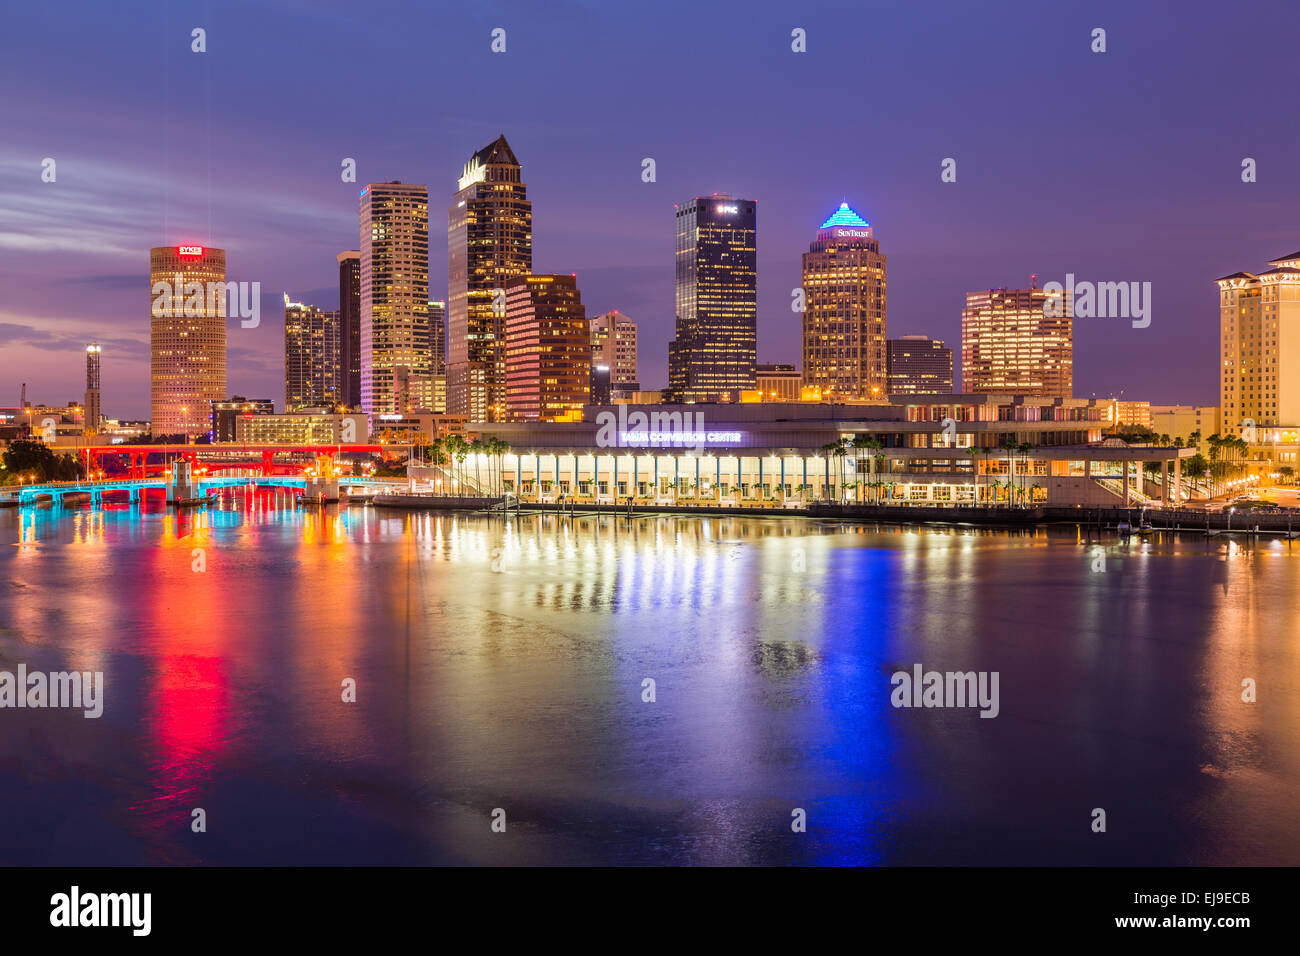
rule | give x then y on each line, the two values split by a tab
844	216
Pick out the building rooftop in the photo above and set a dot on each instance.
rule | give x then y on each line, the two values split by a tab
844	216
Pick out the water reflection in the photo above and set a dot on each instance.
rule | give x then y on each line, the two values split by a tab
504	663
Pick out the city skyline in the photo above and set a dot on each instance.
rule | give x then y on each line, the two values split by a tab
114	198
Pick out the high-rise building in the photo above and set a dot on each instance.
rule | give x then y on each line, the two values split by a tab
844	317
187	336
311	357
715	348
919	365
350	328
438	337
438	355
1259	332
613	344
489	241
394	278
1012	342
547	349
93	412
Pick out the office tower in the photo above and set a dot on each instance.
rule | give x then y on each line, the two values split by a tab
394	279
93	413
350	328
547	349
438	355
438	337
1010	344
1259	324
716	344
311	357
919	365
778	383
225	413
187	336
489	241
601	393
613	344
844	315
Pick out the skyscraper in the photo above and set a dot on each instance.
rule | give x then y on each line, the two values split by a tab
1009	343
350	328
547	349
187	336
489	241
716	343
93	413
919	365
311	357
438	354
613	344
394	278
844	317
1260	356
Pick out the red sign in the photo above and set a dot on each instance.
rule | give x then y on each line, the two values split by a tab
189	250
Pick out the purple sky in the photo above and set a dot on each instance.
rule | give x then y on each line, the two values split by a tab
1116	166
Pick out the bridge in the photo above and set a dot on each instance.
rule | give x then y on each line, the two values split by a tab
201	487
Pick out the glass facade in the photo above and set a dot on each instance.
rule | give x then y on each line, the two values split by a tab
716	344
394	291
489	241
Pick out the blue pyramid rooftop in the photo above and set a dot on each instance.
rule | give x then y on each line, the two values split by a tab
844	216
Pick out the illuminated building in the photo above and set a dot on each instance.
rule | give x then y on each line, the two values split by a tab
93	413
226	412
314	426
311	357
547	349
844	315
394	279
919	365
716	344
1132	414
489	241
1010	345
187	337
773	454
438	355
350	329
778	383
1259	325
613	345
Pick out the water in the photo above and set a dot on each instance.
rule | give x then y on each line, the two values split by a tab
500	664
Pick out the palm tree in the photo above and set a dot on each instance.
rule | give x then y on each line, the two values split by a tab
1025	448
497	448
837	449
974	453
868	444
476	449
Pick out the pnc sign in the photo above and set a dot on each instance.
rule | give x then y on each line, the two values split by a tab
726	210
189	250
